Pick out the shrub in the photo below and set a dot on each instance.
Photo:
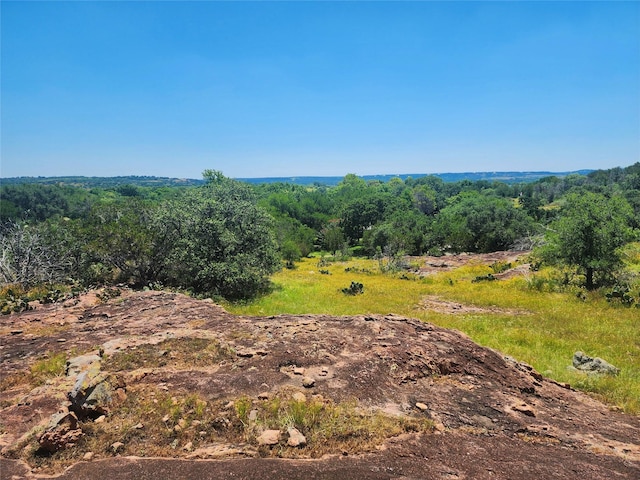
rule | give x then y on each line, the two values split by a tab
14	303
356	288
622	295
499	267
484	278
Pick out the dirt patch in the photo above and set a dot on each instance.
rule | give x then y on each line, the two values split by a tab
198	379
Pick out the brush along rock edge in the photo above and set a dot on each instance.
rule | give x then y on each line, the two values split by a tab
512	421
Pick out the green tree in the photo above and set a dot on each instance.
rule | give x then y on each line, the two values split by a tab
332	237
402	233
588	234
222	241
474	222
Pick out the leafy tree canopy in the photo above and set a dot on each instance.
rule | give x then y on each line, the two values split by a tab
222	242
588	233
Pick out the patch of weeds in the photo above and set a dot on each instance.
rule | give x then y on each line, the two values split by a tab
329	427
325	272
484	278
197	352
155	286
154	423
324	262
49	367
408	276
356	288
108	293
52	296
500	267
14	302
358	270
242	407
149	423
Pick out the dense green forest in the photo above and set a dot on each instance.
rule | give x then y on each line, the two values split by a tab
226	237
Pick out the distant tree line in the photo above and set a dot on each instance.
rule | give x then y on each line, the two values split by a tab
225	237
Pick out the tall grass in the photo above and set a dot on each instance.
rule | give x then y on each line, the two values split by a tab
541	328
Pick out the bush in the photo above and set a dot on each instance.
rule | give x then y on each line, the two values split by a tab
500	267
484	278
356	288
222	243
14	303
621	295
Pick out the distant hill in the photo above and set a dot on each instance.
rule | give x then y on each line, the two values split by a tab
106	182
149	181
506	177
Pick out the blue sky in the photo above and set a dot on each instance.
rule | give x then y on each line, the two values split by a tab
259	89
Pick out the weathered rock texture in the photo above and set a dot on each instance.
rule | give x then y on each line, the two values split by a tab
596	366
495	417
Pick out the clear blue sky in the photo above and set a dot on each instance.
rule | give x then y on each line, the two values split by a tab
258	89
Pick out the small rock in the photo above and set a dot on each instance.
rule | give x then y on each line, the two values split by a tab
138	426
298	370
269	437
100	419
308	382
182	423
88	456
16	332
117	447
264	396
188	447
253	415
166	418
61	340
296	439
422	407
299	397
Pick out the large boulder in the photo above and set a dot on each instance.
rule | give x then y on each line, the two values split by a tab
596	365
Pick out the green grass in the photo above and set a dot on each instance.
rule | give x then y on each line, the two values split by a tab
556	324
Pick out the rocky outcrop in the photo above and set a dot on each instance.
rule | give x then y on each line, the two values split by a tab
482	404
